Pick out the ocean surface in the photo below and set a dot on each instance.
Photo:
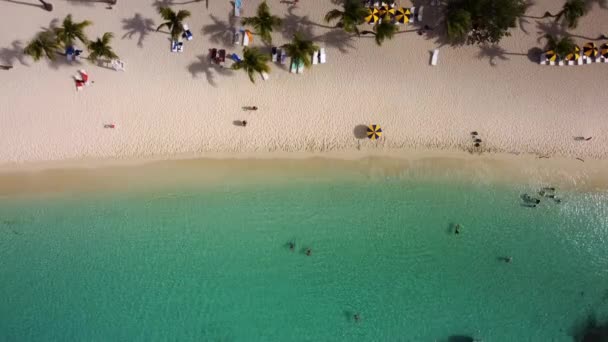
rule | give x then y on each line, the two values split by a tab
213	263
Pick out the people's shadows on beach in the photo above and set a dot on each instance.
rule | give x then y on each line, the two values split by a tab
556	29
8	56
138	25
220	32
210	69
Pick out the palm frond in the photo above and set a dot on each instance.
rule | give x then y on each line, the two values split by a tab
333	15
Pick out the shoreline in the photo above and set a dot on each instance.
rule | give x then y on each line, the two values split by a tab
276	168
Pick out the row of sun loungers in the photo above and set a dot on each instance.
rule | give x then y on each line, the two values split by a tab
278	55
319	57
580	61
590	54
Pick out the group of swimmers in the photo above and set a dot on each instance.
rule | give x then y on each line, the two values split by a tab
292	247
547	192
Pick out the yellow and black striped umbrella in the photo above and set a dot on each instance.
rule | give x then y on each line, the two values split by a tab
403	15
372	15
590	50
604	50
574	55
374	132
551	55
386	13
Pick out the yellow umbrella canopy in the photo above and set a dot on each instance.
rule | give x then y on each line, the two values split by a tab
590	50
386	12
551	55
604	50
403	15
372	15
574	55
374	132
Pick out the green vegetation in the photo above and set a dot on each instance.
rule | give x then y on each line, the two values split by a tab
45	44
382	31
263	23
301	49
353	14
253	62
101	48
482	21
561	46
70	31
571	12
174	21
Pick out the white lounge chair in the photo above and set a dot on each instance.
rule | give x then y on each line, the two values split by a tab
245	38
180	46
301	67
283	55
570	62
605	59
118	65
187	34
322	56
560	63
265	76
413	11
435	57
274	53
315	57
598	59
419	14
551	62
580	61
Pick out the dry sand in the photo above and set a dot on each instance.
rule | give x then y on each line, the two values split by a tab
168	104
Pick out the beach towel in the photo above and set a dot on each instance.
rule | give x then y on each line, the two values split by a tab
84	77
235	57
222	56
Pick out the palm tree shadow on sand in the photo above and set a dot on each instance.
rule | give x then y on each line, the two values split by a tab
220	32
138	25
207	67
8	56
25	3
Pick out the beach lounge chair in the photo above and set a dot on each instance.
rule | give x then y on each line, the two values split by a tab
187	34
560	62
118	65
235	57
570	62
237	8
580	61
283	56
543	59
322	56
435	57
70	53
79	85
315	57
245	38
174	46
180	46
237	37
413	11
213	54
294	66
221	57
419	14
300	67
265	76
84	76
274	53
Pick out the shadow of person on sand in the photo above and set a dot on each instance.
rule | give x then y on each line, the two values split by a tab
138	25
206	66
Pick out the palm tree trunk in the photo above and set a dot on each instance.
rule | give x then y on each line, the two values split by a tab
6	67
47	6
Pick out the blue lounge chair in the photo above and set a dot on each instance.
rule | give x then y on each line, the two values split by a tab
235	57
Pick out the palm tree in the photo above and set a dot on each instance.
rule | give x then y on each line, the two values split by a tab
263	23
45	44
571	12
253	62
562	46
47	6
300	49
101	48
173	21
70	31
458	24
382	31
354	14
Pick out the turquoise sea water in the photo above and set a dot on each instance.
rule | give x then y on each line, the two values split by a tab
212	264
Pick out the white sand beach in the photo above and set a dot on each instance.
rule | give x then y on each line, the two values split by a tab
168	104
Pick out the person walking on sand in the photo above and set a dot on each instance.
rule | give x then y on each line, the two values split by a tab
244	123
